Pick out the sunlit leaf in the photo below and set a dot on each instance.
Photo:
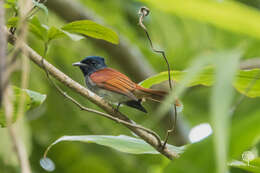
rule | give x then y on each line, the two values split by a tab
246	81
121	143
32	100
92	29
229	15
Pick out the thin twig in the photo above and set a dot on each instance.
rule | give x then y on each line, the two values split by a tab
143	12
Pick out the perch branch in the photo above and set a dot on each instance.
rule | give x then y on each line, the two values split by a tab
63	78
88	109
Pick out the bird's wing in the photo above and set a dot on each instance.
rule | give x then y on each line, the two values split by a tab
115	81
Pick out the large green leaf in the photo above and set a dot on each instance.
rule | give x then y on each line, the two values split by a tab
229	15
246	81
92	29
47	34
121	143
32	100
38	29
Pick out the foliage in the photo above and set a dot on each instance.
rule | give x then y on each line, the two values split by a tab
242	81
32	100
207	36
121	143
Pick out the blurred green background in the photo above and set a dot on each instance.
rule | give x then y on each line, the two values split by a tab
183	38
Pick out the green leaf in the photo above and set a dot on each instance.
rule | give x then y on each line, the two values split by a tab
41	6
246	166
197	158
243	80
121	143
221	100
245	134
36	99
230	15
32	100
92	29
11	4
56	33
74	37
38	29
12	22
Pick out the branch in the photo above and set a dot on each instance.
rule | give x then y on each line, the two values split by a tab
63	78
92	110
250	63
127	55
3	47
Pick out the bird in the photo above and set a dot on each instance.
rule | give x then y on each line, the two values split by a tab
114	86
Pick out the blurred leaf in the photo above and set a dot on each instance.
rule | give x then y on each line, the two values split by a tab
229	15
41	6
197	158
121	143
251	166
242	83
221	100
245	134
92	29
12	22
38	29
11	4
32	100
36	98
204	78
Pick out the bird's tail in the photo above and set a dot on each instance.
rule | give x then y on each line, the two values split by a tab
154	95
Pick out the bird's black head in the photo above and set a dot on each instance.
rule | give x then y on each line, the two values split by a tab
91	64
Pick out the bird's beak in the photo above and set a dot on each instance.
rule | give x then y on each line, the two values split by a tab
78	64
